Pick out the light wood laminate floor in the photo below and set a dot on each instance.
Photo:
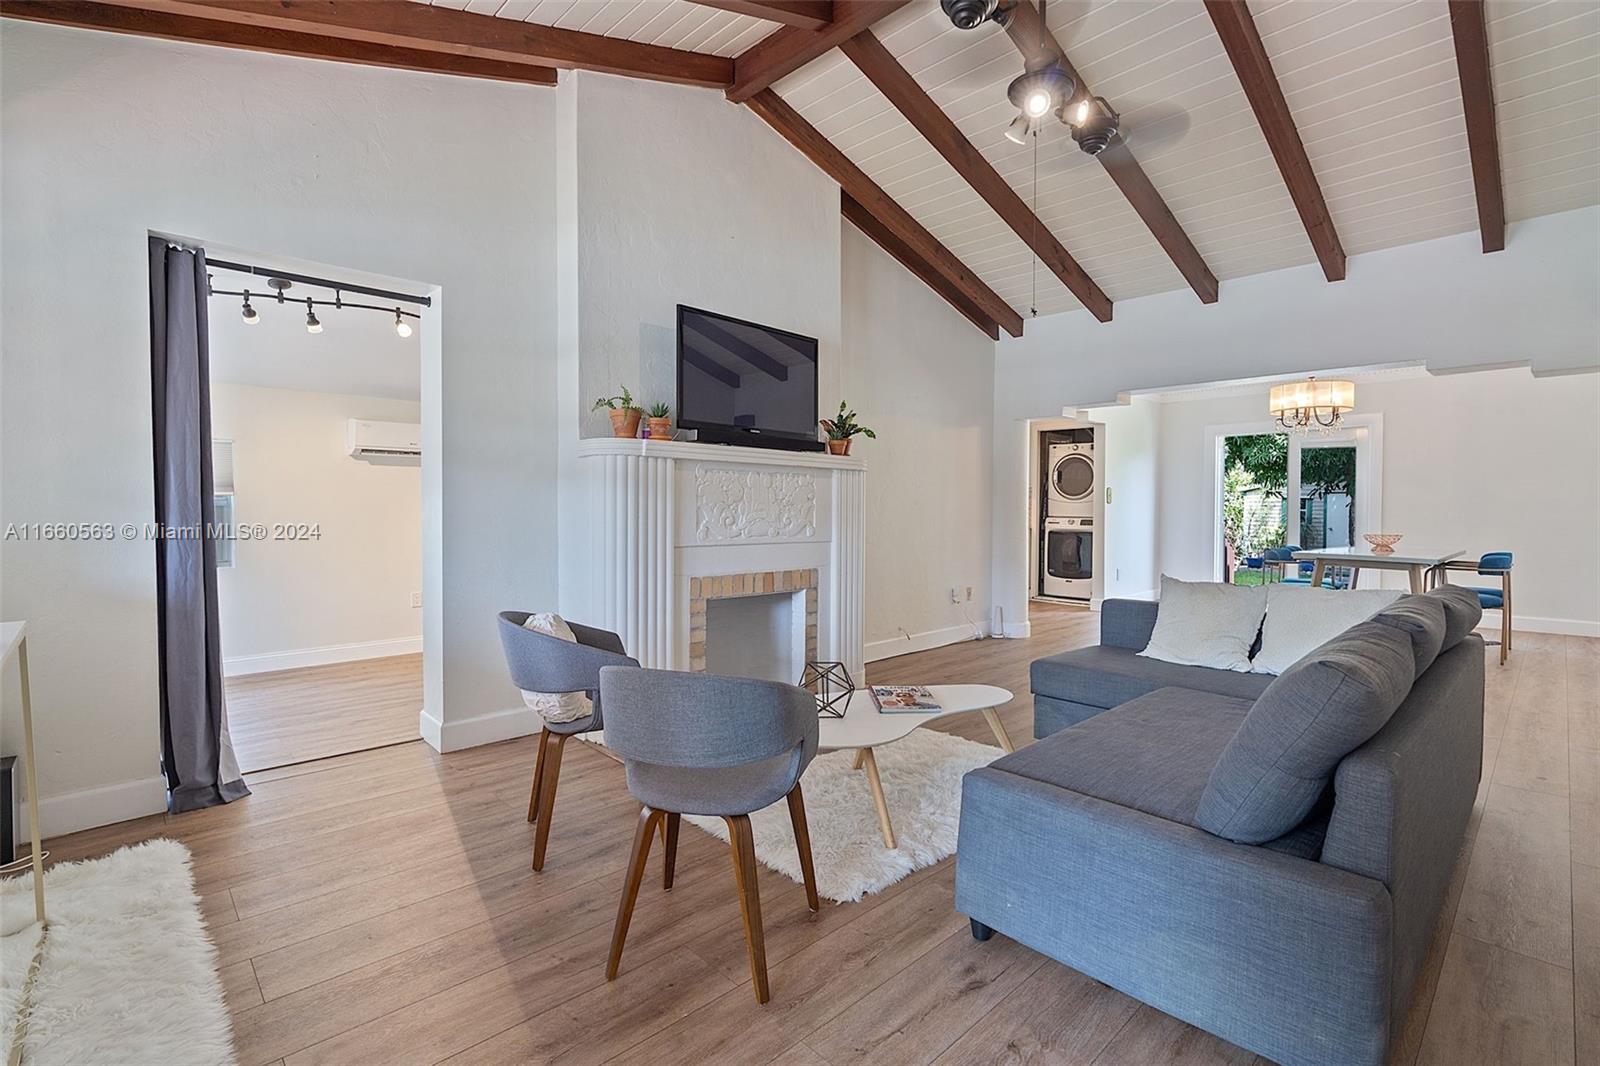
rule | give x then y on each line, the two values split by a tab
293	716
379	908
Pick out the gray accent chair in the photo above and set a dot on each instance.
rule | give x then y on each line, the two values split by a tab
713	746
1269	868
540	662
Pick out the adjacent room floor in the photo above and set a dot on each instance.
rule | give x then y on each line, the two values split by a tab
379	907
294	716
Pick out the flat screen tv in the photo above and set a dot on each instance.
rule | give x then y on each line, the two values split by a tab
743	383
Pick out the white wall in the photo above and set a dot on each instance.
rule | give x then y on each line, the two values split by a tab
1492	461
446	181
672	195
919	374
1442	301
345	594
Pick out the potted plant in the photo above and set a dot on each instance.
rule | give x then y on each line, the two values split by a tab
625	414
660	424
841	427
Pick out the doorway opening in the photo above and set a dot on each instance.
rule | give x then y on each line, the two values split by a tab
316	424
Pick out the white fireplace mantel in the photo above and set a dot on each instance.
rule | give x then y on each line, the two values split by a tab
666	512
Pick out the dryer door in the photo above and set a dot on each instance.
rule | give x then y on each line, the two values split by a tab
1073	477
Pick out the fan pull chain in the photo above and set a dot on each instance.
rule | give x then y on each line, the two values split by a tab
1033	229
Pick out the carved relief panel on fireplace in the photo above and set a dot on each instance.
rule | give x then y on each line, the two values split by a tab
740	504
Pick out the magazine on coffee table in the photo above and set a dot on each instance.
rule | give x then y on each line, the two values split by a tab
904	699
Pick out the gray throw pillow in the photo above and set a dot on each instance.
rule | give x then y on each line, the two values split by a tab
1422	619
1462	613
1315	713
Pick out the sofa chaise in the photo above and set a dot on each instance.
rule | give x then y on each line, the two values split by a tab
1264	858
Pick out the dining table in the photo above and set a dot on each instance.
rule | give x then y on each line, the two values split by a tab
1417	562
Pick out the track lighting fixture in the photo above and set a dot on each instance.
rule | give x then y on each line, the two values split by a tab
970	14
280	283
250	315
401	326
312	324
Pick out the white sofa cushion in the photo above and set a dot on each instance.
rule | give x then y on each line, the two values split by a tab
1301	618
555	706
1203	623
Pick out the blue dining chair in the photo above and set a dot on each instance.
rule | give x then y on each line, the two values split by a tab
1284	557
1493	564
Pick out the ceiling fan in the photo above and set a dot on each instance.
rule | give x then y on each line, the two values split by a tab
1044	89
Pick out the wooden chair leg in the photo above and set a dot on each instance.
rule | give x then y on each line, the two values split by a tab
743	846
670	852
802	842
538	777
557	743
648	818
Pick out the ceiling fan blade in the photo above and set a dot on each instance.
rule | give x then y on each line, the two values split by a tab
1152	127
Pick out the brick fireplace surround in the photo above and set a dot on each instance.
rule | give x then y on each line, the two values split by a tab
702	590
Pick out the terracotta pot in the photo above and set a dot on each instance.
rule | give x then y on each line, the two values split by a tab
839	447
625	421
660	429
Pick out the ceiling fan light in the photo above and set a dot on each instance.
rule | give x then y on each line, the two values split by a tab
1036	93
1017	132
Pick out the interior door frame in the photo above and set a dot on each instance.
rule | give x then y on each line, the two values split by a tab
1365	431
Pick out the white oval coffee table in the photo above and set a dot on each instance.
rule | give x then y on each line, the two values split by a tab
865	727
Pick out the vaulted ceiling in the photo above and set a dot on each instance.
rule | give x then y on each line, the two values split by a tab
1257	137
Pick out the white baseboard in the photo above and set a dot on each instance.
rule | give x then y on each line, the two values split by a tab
91	807
1017	630
1570	627
241	665
933	638
487	728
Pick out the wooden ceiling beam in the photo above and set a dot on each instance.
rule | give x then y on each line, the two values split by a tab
802	14
144	23
1477	100
437	29
1027	31
896	83
866	192
787	50
1242	41
868	223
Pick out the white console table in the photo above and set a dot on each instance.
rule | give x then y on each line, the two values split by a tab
14	641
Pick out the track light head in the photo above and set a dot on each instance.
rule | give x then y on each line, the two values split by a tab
313	325
1094	125
250	315
970	14
1039	92
401	326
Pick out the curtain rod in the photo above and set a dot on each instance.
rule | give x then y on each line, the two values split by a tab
305	279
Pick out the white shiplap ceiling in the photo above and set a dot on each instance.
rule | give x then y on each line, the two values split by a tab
1372	86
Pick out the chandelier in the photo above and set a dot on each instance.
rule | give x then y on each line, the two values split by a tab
1300	406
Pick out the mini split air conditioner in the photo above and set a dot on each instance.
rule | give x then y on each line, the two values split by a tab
369	440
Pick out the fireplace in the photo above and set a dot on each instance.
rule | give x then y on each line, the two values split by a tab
721	559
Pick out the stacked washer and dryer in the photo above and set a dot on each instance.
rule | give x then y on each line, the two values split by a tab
1066	564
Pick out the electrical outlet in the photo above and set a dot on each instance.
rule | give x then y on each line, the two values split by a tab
416	599
1118	572
969	593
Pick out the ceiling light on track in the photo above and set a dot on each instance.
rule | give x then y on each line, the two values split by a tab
250	315
401	326
312	323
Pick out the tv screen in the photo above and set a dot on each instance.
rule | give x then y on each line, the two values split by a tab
745	380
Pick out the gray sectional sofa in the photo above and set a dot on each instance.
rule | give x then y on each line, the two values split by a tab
1262	857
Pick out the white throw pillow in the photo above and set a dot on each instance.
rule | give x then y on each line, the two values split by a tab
555	706
1203	623
1301	618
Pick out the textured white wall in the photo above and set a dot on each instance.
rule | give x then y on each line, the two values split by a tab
1492	461
441	180
921	376
1441	301
285	600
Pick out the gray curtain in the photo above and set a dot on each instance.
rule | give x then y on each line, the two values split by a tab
195	750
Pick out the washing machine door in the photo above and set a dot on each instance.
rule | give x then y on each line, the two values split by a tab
1073	476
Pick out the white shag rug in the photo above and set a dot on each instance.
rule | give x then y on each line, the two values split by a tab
129	974
922	782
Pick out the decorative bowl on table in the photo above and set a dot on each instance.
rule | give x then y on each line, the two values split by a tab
1382	543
